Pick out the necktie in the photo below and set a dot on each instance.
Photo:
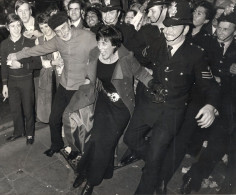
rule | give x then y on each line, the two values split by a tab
169	48
222	45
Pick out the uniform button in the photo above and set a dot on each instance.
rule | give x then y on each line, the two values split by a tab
181	73
166	90
221	61
154	64
131	99
186	104
166	79
147	89
219	70
167	68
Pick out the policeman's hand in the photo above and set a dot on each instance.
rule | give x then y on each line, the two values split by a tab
12	56
5	92
15	65
218	80
233	68
150	71
158	91
207	114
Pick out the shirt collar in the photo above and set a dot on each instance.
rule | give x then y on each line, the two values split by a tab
76	23
176	47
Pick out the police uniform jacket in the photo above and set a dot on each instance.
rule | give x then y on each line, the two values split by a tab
178	74
220	65
202	39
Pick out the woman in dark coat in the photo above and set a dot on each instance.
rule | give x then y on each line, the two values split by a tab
115	69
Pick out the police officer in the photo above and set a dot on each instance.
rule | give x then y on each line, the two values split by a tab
145	45
150	33
111	15
223	62
179	65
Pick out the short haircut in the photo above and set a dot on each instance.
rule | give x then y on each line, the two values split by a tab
210	11
42	18
131	10
75	1
21	2
12	18
111	33
94	10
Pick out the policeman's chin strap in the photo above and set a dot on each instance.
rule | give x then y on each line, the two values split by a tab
112	21
227	37
177	36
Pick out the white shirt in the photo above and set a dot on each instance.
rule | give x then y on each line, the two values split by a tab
176	47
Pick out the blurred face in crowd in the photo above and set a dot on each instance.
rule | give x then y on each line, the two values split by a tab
91	19
175	34
199	16
154	13
46	30
129	17
74	11
110	17
106	48
94	1
218	14
65	4
15	29
24	12
63	31
225	31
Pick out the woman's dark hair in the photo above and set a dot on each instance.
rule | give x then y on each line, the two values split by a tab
94	10
131	10
12	18
110	33
42	18
210	11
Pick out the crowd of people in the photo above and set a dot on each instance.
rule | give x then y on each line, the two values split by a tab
159	72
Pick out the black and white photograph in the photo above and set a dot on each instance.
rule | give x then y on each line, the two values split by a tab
117	97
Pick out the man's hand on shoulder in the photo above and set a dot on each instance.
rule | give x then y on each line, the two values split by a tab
15	65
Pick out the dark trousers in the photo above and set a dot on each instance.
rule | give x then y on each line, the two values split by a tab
21	100
61	100
141	122
217	136
110	120
167	125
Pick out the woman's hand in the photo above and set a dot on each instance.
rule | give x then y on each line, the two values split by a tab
58	62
